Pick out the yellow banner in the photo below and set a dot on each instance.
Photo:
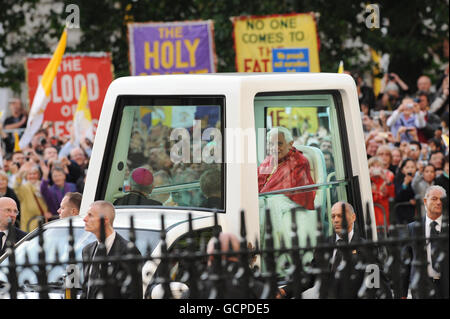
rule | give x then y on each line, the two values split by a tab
276	43
302	118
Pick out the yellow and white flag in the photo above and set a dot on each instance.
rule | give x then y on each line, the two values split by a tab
341	67
82	119
42	95
445	140
376	71
16	142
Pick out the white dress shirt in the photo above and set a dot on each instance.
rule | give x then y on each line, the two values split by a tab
431	272
109	241
350	236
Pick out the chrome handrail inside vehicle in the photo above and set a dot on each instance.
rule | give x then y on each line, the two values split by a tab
304	188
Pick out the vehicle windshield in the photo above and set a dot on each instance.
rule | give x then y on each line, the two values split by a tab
167	152
56	241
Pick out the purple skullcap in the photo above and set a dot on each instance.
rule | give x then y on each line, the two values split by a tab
142	176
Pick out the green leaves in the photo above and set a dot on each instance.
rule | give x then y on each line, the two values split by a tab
411	32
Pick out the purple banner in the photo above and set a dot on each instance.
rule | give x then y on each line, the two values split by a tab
174	47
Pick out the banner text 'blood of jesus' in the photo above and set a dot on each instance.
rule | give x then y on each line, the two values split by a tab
93	70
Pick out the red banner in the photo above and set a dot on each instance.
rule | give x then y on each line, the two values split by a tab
94	70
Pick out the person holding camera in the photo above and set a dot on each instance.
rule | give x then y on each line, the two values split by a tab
414	151
40	142
393	92
383	189
27	187
404	121
365	93
404	193
16	121
430	122
424	85
18	160
423	179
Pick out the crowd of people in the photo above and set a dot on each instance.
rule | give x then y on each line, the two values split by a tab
39	176
151	150
406	136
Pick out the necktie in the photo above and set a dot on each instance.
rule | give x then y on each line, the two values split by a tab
338	256
1	241
434	245
93	272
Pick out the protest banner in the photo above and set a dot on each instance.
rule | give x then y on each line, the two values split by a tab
172	47
302	118
91	69
276	43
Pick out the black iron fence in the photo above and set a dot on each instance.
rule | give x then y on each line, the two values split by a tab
385	268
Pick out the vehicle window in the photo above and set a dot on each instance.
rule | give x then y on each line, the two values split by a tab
167	152
180	246
201	238
57	240
300	163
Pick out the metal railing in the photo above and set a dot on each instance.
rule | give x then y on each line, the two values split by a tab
369	269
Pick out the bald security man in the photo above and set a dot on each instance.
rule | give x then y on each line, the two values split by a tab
337	283
8	212
437	276
118	273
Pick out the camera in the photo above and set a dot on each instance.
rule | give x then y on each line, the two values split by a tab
43	141
416	100
409	105
391	77
376	171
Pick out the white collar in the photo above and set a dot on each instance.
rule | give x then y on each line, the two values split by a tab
350	236
438	220
109	241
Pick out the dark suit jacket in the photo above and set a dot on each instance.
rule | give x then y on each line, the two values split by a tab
136	199
118	272
346	287
410	269
212	202
14	238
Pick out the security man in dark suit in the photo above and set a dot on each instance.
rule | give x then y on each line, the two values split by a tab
339	276
8	213
116	274
426	269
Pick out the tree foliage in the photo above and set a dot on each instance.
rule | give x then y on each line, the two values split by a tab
412	32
